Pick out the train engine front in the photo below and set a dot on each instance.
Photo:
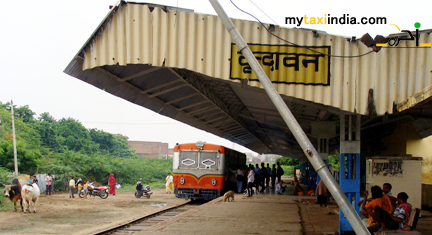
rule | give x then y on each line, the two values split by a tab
199	170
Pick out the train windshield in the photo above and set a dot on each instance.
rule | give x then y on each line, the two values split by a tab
194	159
209	160
188	159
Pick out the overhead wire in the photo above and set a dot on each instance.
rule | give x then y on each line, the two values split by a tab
263	12
294	44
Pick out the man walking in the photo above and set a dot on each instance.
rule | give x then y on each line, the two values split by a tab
71	187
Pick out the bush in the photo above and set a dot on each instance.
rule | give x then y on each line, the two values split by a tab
4	176
6	204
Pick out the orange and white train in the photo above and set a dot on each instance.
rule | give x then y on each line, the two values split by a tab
202	170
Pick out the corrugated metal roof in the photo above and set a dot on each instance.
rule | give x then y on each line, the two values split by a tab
180	64
139	34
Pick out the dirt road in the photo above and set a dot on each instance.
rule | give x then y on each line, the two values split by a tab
58	214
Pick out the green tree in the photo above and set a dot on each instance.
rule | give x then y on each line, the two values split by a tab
28	144
334	160
76	136
47	128
287	161
115	145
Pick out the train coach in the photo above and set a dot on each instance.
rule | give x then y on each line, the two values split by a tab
202	170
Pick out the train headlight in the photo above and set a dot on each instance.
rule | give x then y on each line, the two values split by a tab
213	181
182	181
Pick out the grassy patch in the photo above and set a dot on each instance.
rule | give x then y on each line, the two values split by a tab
6	204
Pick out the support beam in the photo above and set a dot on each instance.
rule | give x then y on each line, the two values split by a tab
269	123
200	86
182	98
193	105
209	114
234	128
160	86
201	110
168	90
144	72
214	119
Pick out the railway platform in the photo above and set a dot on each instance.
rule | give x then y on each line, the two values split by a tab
266	213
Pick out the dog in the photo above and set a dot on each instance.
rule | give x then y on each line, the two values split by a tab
228	195
254	192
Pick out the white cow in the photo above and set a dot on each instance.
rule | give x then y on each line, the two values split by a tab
30	195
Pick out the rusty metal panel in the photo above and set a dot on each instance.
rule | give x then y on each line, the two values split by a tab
139	34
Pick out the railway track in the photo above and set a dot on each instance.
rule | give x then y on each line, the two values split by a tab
148	221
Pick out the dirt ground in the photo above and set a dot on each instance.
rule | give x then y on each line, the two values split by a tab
58	214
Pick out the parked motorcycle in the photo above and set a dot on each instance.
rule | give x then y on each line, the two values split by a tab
142	191
94	191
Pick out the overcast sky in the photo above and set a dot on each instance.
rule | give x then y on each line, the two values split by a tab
39	39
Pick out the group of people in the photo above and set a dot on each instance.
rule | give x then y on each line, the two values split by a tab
258	177
33	180
382	211
84	186
48	182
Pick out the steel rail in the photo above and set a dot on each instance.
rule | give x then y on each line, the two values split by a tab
121	226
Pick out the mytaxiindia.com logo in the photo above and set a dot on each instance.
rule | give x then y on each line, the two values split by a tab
393	42
345	19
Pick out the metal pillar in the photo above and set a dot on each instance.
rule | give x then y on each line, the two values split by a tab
304	142
349	176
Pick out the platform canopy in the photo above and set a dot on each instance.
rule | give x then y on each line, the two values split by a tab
184	65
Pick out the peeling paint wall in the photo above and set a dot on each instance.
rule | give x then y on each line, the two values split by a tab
406	140
421	148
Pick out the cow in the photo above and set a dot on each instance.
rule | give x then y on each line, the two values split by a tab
13	192
30	195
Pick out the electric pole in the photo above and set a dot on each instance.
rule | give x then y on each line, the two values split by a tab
14	141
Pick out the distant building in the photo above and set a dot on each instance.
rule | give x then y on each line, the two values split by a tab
269	157
149	149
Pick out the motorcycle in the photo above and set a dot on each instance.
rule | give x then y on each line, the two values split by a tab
94	191
142	191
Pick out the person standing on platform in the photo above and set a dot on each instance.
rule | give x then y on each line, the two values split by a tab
321	192
279	171
273	176
263	176
268	175
257	176
240	178
168	183
251	180
112	184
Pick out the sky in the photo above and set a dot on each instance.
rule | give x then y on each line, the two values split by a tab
40	38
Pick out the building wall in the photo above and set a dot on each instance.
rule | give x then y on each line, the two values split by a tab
409	181
406	140
426	195
421	148
395	144
149	149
